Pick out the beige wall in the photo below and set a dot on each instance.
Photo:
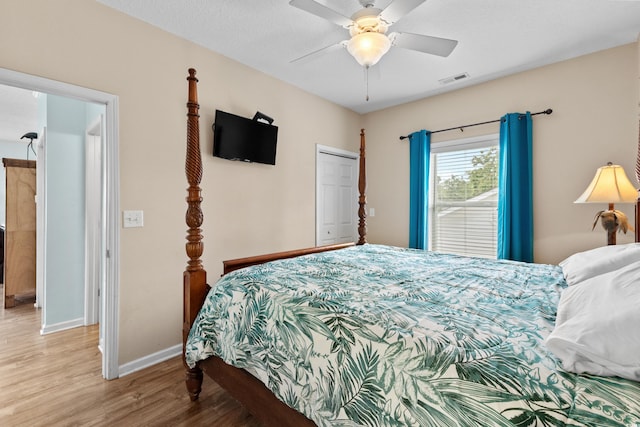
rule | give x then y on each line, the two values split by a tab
257	208
248	208
594	100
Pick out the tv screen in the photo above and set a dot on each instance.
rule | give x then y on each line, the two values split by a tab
240	138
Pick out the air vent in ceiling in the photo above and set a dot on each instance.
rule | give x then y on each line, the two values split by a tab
455	78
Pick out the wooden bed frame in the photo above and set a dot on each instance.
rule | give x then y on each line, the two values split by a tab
638	216
244	387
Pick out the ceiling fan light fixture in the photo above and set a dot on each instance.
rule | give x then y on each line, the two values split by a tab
367	48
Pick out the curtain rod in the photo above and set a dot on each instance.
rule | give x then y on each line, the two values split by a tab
547	111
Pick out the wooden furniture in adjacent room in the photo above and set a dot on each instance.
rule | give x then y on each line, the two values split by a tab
20	231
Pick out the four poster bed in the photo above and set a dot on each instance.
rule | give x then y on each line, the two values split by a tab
362	334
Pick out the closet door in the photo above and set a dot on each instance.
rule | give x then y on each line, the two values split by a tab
336	196
20	231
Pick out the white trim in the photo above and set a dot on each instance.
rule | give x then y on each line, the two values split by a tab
52	87
112	267
41	217
150	360
111	295
325	149
62	326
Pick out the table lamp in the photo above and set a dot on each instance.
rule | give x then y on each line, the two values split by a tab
610	185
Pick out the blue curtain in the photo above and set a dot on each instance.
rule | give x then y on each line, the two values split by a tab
515	188
419	150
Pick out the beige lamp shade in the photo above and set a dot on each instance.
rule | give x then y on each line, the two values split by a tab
368	47
610	185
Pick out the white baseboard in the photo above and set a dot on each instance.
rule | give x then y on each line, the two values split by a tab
57	327
150	360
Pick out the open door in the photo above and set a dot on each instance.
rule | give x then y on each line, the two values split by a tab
94	206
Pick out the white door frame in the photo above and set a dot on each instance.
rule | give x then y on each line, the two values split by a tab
111	260
325	149
41	215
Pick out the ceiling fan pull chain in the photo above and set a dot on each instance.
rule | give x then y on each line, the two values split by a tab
366	78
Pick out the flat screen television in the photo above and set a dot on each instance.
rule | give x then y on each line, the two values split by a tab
240	138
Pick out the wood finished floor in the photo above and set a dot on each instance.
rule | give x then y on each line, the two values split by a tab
55	380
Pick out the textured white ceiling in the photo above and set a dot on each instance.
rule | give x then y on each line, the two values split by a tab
496	38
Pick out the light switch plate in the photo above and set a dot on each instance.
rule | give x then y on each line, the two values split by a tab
132	219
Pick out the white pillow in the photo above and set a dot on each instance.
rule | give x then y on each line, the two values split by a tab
598	325
591	263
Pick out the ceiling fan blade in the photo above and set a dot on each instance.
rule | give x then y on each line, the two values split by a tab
320	52
427	44
322	11
399	8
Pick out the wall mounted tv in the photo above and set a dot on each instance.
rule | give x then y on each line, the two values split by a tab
240	138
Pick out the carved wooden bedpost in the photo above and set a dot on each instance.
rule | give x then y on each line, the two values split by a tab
195	277
362	199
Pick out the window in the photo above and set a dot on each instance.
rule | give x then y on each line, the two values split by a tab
463	199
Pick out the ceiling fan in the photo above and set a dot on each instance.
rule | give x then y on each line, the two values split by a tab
368	29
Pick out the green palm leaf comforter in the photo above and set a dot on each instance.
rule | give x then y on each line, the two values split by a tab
381	336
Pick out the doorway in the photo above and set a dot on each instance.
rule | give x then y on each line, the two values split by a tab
109	259
336	196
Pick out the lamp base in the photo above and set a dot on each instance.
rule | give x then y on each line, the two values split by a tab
609	221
